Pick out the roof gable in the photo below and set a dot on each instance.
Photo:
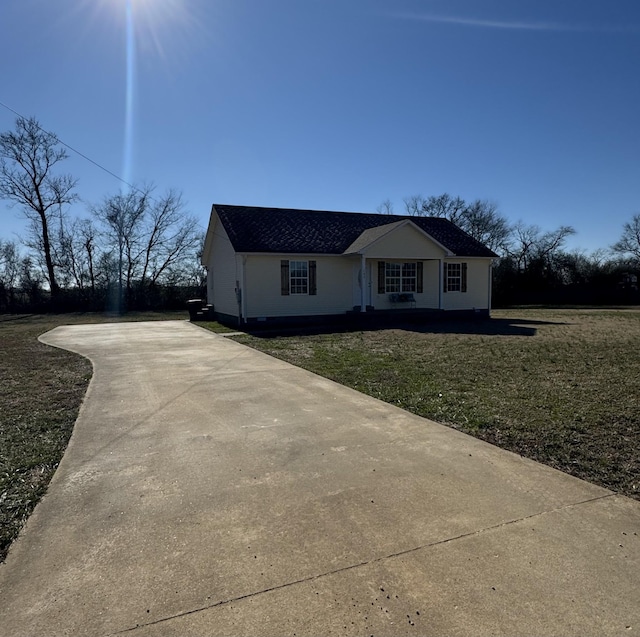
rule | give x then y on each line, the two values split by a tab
375	239
371	235
286	230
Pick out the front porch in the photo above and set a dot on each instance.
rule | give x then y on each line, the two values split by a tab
397	285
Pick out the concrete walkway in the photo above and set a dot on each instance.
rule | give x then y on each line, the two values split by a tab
209	489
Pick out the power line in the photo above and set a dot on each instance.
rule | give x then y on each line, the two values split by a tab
77	152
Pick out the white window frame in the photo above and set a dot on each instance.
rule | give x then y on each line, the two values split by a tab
298	277
454	277
400	277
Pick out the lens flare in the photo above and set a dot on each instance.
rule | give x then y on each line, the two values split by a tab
160	36
127	161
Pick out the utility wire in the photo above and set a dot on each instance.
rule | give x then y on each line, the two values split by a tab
77	152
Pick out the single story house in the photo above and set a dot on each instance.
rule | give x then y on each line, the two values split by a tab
281	264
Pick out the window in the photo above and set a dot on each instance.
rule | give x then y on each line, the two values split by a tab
400	277
392	278
455	277
298	277
408	277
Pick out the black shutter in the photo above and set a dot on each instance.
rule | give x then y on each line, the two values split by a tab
445	272
284	277
463	283
419	284
381	273
312	278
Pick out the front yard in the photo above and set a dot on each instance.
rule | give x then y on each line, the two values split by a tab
558	386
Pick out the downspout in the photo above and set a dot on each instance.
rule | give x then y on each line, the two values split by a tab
363	288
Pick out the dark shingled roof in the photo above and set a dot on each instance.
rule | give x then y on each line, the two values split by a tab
285	230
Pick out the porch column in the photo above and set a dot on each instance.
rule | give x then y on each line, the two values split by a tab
363	284
440	275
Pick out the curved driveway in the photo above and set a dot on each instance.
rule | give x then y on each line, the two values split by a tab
210	489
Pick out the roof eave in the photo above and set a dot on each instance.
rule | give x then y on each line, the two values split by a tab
208	238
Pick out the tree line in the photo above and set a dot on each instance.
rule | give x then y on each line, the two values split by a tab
533	265
136	249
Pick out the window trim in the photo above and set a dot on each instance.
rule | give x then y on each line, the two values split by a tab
406	283
298	277
455	282
290	278
454	277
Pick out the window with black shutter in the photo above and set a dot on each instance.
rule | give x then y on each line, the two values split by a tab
298	277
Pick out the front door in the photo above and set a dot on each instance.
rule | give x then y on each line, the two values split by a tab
357	281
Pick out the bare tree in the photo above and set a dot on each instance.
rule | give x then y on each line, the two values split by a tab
413	205
9	264
529	243
123	216
385	208
629	243
480	219
150	238
444	205
28	156
77	250
9	273
524	239
553	241
172	236
484	223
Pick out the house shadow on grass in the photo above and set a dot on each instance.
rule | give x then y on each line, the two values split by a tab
479	326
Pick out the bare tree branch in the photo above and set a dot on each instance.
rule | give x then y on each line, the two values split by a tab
27	158
385	208
151	236
629	243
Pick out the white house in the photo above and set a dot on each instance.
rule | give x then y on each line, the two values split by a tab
268	264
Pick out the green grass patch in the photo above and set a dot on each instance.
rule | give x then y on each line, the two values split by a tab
558	386
41	389
214	326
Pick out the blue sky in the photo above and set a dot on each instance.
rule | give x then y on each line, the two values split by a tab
340	104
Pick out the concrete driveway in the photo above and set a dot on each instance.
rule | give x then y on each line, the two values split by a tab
209	489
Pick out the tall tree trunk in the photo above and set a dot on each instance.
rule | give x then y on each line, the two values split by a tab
53	284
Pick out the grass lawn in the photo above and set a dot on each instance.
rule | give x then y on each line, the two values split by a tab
558	386
41	389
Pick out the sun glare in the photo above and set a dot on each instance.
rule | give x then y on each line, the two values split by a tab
155	23
158	34
165	29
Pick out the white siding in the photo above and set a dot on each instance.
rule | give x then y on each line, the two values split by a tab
263	294
477	294
405	243
224	270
